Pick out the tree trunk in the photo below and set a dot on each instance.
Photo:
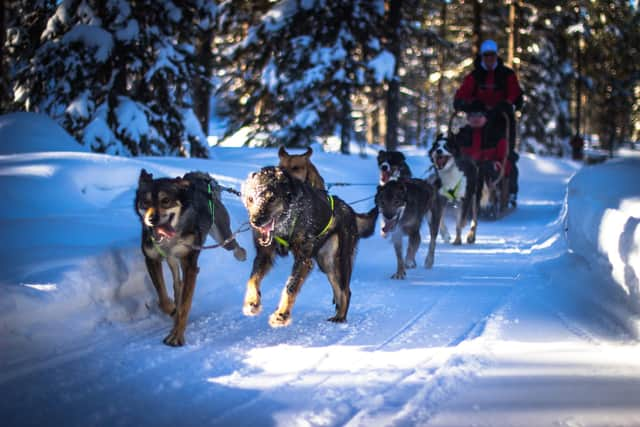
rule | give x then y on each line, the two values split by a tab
4	78
393	91
477	27
345	122
512	33
440	109
201	85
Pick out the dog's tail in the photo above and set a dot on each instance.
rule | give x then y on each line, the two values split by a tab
366	222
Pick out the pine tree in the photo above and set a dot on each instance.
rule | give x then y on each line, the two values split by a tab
301	63
117	75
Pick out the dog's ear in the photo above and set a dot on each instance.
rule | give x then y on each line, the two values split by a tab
308	153
282	153
401	156
144	177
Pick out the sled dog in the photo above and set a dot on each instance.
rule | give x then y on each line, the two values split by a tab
299	166
392	166
176	215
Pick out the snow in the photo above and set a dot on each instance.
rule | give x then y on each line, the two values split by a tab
92	37
535	324
383	66
44	134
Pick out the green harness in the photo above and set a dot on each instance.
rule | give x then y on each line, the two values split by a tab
452	193
324	231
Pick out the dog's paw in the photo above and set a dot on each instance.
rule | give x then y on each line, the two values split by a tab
337	319
174	339
399	275
457	241
471	238
168	307
251	308
240	253
278	320
410	263
428	262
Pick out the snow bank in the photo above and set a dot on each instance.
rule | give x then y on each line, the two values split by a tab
33	132
603	227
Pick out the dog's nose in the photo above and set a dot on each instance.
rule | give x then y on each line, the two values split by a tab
439	151
384	167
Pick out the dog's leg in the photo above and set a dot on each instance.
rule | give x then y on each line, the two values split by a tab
221	231
397	246
174	266
444	232
460	221
300	271
436	218
154	267
412	248
190	272
471	236
261	266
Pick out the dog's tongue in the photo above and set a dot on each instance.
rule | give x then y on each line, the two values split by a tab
388	225
442	161
385	176
165	231
265	230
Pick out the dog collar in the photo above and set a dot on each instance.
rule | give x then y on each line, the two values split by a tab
158	248
211	209
452	193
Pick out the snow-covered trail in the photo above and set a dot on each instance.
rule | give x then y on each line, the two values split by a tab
484	338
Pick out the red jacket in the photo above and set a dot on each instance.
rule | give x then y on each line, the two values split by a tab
481	146
489	86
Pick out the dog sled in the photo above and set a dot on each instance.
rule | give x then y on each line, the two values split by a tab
495	184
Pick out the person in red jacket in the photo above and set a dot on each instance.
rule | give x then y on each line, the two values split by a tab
497	87
485	142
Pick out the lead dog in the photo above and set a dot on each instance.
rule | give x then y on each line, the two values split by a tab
312	225
460	184
403	205
176	216
299	166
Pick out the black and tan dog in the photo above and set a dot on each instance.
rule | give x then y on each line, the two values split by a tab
299	166
312	225
460	183
176	216
392	166
404	205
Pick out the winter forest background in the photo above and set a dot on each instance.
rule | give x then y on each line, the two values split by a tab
145	77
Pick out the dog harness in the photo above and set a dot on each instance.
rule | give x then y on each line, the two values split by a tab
452	193
324	231
159	249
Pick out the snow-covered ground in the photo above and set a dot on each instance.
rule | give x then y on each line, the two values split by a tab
536	324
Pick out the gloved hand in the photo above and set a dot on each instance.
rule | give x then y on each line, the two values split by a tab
505	106
460	105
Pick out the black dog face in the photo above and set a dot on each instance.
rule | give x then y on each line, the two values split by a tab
442	152
390	164
159	203
391	200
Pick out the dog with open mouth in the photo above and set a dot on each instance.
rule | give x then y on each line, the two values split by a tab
403	205
392	166
460	184
309	223
176	215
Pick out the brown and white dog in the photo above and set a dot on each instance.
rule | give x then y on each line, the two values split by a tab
300	167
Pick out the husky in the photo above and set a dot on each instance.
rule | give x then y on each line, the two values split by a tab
403	205
459	183
392	166
312	225
299	166
176	215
